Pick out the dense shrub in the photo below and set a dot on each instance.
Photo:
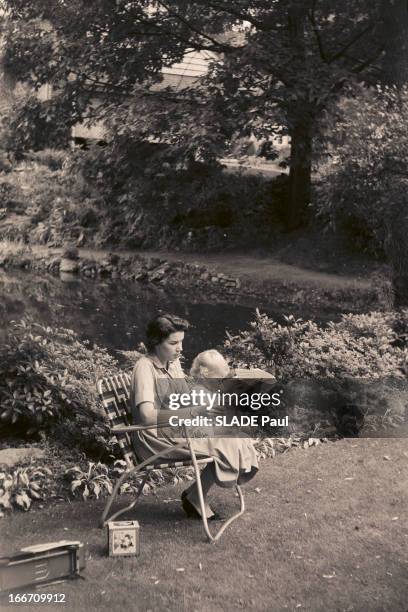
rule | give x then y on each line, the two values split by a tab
361	346
58	207
11	197
350	368
30	124
48	384
91	198
53	159
149	200
364	181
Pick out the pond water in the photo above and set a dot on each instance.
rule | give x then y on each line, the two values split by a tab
114	313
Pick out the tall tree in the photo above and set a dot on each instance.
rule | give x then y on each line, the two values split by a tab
278	65
395	42
395	74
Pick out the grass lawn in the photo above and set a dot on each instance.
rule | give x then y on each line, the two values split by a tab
325	530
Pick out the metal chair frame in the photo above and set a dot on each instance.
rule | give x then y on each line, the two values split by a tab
114	394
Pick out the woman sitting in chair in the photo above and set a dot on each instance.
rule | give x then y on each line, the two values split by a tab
155	377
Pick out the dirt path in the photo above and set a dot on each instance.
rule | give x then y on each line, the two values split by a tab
265	269
250	268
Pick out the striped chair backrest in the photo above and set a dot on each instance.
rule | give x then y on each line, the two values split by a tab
114	393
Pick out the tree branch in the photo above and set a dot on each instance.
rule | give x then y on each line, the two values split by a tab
357	69
368	62
216	43
315	28
355	38
105	85
186	41
244	16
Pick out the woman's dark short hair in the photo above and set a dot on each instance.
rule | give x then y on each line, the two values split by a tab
160	328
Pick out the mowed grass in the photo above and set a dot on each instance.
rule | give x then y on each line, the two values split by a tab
325	530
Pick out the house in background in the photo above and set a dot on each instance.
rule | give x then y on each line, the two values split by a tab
183	74
178	76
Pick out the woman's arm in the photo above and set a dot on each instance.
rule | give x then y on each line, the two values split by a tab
147	413
143	393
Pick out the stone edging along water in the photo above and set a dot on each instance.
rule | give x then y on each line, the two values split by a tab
193	280
147	270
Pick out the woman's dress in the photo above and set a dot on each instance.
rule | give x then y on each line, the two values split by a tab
235	459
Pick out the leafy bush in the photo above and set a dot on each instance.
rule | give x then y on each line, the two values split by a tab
47	384
138	196
53	159
96	479
58	207
30	124
11	197
19	488
360	346
149	200
346	370
90	483
14	248
364	181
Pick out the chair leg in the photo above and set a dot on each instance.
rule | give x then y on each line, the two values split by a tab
213	538
137	495
125	475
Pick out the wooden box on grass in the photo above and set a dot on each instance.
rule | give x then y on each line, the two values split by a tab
123	538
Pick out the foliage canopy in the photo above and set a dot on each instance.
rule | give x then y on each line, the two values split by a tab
276	66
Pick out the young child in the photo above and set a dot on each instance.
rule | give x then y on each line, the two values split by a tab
210	364
212	372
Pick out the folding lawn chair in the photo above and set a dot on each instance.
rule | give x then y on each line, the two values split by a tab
114	393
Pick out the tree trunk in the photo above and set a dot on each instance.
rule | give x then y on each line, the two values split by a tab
300	126
300	174
395	42
397	253
395	73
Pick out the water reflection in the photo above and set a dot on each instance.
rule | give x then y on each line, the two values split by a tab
114	314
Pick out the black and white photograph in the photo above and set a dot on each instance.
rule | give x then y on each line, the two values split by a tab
204	305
